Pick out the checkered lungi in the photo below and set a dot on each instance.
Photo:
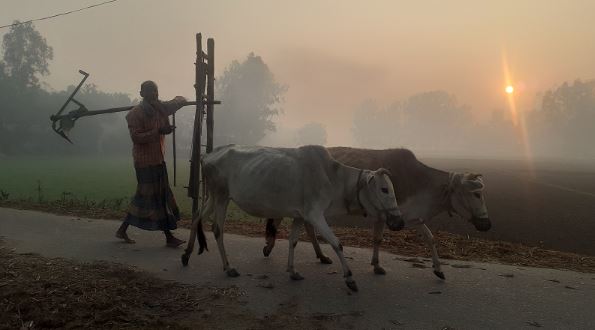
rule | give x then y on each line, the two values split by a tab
153	207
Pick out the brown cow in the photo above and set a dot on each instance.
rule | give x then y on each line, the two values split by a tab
423	192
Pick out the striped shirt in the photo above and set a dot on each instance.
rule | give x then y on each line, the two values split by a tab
144	122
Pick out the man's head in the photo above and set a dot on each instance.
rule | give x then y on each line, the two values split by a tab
149	90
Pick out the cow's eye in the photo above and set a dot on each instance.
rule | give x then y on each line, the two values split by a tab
477	195
385	190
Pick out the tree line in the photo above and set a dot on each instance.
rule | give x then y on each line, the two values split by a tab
561	125
434	122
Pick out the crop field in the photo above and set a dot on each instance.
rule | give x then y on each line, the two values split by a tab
551	205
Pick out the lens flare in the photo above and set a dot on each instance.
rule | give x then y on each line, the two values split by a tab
518	118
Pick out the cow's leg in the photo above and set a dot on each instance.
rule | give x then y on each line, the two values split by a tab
319	254
294	235
423	230
220	213
204	214
271	235
378	231
319	222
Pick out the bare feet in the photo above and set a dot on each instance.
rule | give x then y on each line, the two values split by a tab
173	242
124	236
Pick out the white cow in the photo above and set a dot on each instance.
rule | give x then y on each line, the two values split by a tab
304	183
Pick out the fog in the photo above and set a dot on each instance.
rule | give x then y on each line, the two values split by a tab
428	75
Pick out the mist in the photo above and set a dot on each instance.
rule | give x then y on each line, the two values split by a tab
357	75
494	99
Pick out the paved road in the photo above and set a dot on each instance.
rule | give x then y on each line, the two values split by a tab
481	296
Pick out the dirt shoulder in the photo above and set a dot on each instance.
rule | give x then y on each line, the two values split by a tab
405	242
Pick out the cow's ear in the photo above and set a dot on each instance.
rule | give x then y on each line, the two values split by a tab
382	171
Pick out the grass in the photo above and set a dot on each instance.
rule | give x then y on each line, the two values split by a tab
85	179
94	179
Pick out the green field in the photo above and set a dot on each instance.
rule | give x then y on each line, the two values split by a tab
83	177
90	178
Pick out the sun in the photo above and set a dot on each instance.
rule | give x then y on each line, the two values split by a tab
509	89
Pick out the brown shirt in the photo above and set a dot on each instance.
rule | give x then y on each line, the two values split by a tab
144	122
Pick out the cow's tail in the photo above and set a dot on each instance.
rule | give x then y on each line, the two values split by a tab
200	236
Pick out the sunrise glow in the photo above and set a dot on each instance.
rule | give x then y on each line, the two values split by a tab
517	115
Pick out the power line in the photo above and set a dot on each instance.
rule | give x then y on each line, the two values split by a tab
60	14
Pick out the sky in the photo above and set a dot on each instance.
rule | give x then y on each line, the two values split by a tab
331	54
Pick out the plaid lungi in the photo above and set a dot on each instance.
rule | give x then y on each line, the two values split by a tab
153	207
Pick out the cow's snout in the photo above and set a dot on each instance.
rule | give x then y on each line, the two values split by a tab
481	224
395	222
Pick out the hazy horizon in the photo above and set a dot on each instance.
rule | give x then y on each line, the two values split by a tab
331	54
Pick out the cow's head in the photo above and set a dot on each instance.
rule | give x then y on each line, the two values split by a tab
465	196
377	196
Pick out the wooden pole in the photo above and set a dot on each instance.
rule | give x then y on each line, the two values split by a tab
210	91
174	145
193	184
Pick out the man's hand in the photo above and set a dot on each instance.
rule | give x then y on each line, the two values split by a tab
166	129
180	99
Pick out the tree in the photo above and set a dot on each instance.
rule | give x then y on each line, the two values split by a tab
2	71
431	121
251	98
26	54
375	127
312	133
436	121
564	124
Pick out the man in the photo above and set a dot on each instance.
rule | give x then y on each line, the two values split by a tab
153	207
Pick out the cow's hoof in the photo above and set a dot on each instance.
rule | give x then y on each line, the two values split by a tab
232	272
266	250
296	276
439	274
325	260
351	285
185	258
379	270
